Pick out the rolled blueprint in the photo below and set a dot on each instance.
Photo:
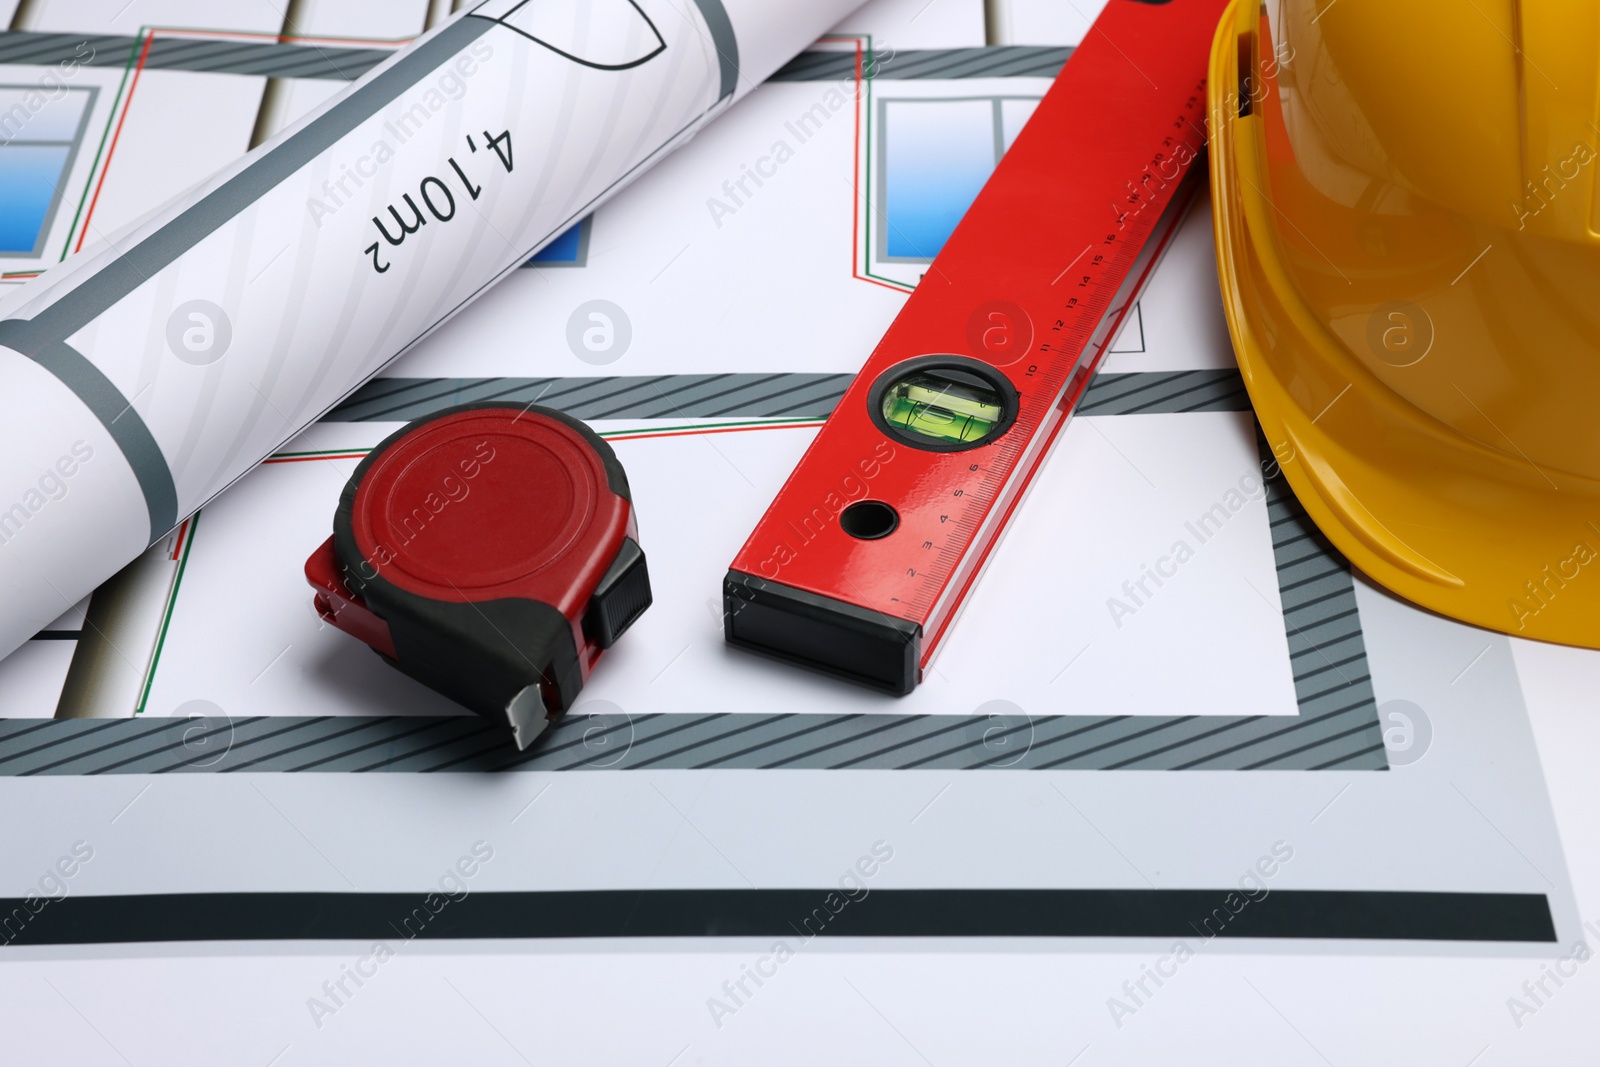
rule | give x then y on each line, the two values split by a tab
138	379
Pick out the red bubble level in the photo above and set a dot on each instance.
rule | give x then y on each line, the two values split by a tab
862	562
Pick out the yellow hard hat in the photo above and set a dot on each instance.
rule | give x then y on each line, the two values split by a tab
1406	224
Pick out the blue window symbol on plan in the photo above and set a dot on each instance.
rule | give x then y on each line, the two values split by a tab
40	130
936	154
571	249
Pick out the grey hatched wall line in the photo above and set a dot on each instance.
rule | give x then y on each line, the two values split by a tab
273	59
752	396
1337	727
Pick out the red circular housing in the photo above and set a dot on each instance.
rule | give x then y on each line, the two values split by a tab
490	503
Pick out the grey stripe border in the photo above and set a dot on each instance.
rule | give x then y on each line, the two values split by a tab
724	41
101	396
1337	727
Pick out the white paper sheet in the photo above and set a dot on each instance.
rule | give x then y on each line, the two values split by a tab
241	641
248	641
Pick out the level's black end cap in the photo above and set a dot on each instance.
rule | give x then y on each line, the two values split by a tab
620	598
828	635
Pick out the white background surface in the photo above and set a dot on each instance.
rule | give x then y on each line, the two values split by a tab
860	1003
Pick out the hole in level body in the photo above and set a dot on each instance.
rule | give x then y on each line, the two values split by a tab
868	520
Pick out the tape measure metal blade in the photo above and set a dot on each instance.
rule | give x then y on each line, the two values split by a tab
868	551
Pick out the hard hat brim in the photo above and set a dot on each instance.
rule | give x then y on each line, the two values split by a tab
1476	534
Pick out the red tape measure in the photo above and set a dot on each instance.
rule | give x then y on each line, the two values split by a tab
862	562
492	554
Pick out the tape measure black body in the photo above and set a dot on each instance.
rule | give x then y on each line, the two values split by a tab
491	553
